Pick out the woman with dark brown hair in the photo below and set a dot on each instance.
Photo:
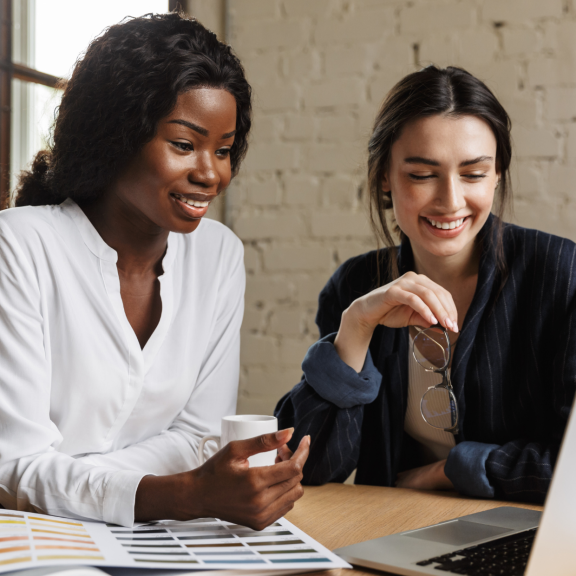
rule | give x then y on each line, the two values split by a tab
446	362
121	306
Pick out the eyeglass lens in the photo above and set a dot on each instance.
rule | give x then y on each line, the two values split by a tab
431	349
439	408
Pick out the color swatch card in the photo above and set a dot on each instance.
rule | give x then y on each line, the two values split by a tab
28	540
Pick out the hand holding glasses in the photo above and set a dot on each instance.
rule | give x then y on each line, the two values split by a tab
431	349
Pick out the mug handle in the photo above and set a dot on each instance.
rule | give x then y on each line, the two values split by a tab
201	457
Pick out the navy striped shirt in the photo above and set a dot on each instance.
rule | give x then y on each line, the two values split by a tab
513	372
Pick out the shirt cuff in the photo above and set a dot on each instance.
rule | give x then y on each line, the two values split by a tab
337	382
120	497
466	468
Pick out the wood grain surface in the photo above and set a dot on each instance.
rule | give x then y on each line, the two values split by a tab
339	514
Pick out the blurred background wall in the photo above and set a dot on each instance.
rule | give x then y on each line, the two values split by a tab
320	69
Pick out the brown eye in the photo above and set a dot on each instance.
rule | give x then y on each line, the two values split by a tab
186	146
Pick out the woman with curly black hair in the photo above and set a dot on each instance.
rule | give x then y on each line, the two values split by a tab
119	329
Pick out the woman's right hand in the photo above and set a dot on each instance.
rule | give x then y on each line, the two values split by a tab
411	300
226	487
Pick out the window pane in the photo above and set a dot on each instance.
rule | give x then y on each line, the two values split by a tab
64	28
33	110
23	21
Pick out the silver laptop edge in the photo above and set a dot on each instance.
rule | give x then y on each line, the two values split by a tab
399	553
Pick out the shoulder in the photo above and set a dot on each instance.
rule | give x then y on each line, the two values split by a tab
31	225
540	264
28	216
536	249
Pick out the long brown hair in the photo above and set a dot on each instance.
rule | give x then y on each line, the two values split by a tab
447	91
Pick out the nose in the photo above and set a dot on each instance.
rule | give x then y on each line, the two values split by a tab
451	195
204	173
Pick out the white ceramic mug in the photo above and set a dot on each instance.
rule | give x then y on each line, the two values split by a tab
241	428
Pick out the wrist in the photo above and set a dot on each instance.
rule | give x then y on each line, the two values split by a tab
353	338
354	325
150	502
167	497
188	499
442	480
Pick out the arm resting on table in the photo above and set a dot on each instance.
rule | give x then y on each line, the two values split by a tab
328	403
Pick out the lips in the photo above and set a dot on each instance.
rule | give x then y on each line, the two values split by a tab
192	201
446	225
193	206
445	228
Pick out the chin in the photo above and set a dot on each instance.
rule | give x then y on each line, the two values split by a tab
185	226
446	249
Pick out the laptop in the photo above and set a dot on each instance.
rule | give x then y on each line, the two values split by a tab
504	540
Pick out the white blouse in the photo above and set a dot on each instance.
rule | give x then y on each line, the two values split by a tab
85	413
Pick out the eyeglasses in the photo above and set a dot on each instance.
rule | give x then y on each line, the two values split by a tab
431	349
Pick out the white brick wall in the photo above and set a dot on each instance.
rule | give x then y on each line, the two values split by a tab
320	69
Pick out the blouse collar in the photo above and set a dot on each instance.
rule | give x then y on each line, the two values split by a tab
95	242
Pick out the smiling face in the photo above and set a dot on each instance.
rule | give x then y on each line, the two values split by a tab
170	183
442	176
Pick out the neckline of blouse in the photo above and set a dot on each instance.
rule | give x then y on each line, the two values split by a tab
96	244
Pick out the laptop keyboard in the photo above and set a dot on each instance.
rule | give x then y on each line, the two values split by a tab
508	555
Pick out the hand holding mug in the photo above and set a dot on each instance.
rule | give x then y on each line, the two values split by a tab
242	427
251	496
226	487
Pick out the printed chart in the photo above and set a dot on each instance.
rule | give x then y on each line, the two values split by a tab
27	538
37	540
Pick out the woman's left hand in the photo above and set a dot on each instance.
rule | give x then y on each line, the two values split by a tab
430	477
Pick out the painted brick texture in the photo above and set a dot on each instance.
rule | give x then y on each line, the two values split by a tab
320	69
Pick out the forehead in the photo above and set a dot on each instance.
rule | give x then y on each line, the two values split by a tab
205	106
445	139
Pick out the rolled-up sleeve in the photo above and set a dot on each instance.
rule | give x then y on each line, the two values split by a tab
466	469
337	382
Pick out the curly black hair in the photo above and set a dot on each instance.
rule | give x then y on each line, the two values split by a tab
128	80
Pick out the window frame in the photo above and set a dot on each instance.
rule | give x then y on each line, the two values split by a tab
10	70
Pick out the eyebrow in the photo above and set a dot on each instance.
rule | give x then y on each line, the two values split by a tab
420	160
429	162
476	160
199	129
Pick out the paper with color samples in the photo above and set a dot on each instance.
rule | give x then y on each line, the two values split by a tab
29	540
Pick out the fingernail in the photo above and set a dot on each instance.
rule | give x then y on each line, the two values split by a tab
433	320
455	328
282	433
448	323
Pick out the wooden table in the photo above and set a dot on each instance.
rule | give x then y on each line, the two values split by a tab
340	514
